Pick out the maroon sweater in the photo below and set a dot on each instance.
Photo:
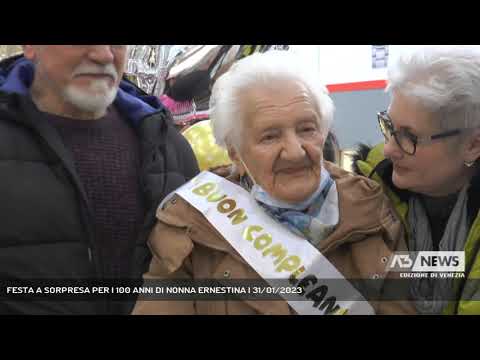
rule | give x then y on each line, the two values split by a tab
107	158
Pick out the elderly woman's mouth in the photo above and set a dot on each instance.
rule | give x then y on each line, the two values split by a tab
294	171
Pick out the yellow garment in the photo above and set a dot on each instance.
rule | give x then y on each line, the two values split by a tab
468	295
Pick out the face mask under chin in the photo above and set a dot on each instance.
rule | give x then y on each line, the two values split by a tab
261	195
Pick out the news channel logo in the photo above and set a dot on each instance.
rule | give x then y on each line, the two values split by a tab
428	263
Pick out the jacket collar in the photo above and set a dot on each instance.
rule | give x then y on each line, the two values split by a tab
384	169
363	208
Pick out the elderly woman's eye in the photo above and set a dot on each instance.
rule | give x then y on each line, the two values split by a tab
268	137
308	129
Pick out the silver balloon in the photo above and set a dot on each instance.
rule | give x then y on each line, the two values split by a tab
198	57
168	54
147	64
150	66
142	65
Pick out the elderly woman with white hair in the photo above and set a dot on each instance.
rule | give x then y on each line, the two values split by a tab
429	166
317	235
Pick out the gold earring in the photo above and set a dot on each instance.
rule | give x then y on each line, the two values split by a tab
469	163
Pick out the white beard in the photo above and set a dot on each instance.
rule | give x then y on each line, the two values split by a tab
94	99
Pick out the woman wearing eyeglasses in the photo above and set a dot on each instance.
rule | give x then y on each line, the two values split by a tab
429	166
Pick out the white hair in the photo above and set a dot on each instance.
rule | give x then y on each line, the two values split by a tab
445	80
227	109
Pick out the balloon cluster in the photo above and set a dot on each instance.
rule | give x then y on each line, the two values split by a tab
182	77
184	71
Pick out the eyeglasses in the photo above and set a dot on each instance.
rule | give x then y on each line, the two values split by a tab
405	139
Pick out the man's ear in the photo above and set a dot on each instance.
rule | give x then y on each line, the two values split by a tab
472	150
233	154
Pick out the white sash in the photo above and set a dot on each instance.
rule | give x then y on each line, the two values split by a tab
270	249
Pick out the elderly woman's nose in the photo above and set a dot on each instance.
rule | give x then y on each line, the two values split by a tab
293	148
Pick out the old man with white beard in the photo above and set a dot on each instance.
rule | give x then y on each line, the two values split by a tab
85	159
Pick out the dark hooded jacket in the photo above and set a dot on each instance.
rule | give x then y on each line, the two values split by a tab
46	227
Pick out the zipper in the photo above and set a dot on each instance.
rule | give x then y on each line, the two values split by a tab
90	258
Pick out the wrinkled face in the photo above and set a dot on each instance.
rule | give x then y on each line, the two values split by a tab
83	77
436	169
281	142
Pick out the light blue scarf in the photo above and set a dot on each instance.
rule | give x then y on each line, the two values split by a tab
314	218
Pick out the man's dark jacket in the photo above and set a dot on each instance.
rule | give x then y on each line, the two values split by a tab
45	219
